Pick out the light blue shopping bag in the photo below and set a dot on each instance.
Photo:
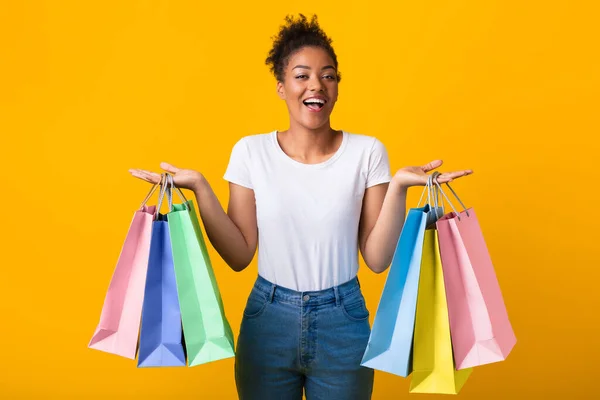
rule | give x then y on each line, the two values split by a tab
390	344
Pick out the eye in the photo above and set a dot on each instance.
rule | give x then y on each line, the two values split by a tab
299	76
329	77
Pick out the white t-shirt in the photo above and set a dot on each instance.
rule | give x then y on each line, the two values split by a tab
308	214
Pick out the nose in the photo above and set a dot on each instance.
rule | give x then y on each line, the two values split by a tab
315	84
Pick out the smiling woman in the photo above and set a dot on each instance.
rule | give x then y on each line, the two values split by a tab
312	196
310	91
306	69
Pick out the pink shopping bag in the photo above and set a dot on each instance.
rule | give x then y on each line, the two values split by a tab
118	330
480	329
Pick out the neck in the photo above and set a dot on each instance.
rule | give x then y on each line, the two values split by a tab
309	144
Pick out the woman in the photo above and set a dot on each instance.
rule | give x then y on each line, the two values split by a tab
312	196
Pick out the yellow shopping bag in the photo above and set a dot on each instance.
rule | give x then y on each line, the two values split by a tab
433	363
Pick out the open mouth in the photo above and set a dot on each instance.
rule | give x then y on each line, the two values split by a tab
314	104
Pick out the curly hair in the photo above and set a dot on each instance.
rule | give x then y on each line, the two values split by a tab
293	36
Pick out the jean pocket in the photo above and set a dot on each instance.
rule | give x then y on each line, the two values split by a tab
354	307
256	304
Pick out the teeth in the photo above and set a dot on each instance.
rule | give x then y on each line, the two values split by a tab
312	101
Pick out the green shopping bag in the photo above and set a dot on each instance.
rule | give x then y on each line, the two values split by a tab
208	335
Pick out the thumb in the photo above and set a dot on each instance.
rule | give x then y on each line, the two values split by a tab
169	168
432	165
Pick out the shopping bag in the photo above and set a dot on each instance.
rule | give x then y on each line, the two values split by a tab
434	201
433	363
161	331
481	330
118	329
390	343
207	333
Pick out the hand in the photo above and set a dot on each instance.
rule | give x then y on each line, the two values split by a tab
183	178
417	176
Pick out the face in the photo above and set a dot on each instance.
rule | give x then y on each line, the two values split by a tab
310	87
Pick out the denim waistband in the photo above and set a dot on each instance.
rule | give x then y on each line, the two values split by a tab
331	295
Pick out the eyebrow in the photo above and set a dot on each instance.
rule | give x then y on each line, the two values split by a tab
307	67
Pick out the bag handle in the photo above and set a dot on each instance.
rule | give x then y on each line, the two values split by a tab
436	197
164	190
433	198
434	178
151	192
170	184
167	185
423	193
428	187
179	192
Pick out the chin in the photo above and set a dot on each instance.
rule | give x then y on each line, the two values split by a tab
313	126
315	123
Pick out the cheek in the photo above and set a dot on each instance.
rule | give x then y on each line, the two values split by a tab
298	92
294	86
333	92
333	99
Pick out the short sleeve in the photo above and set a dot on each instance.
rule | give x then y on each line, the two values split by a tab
238	170
379	165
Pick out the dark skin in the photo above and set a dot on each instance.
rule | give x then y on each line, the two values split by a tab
310	139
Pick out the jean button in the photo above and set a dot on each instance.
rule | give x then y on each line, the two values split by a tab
306	297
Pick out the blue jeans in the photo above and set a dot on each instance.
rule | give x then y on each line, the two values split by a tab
313	341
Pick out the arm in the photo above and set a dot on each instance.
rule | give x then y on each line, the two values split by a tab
233	234
384	210
381	221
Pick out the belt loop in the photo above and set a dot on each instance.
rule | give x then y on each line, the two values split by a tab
337	296
357	281
272	293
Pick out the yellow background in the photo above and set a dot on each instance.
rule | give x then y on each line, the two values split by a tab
90	89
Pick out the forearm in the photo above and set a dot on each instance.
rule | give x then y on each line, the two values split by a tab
381	242
223	234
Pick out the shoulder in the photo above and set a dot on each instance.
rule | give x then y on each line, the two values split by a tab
369	144
254	140
252	143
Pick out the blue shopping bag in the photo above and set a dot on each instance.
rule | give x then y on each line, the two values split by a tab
161	331
390	345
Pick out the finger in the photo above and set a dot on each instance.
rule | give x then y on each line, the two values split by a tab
450	176
140	176
138	173
148	176
432	165
153	176
458	174
169	168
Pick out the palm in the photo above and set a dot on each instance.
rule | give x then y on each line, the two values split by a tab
412	176
186	178
418	176
183	178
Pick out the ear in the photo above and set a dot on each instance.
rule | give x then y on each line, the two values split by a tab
280	90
